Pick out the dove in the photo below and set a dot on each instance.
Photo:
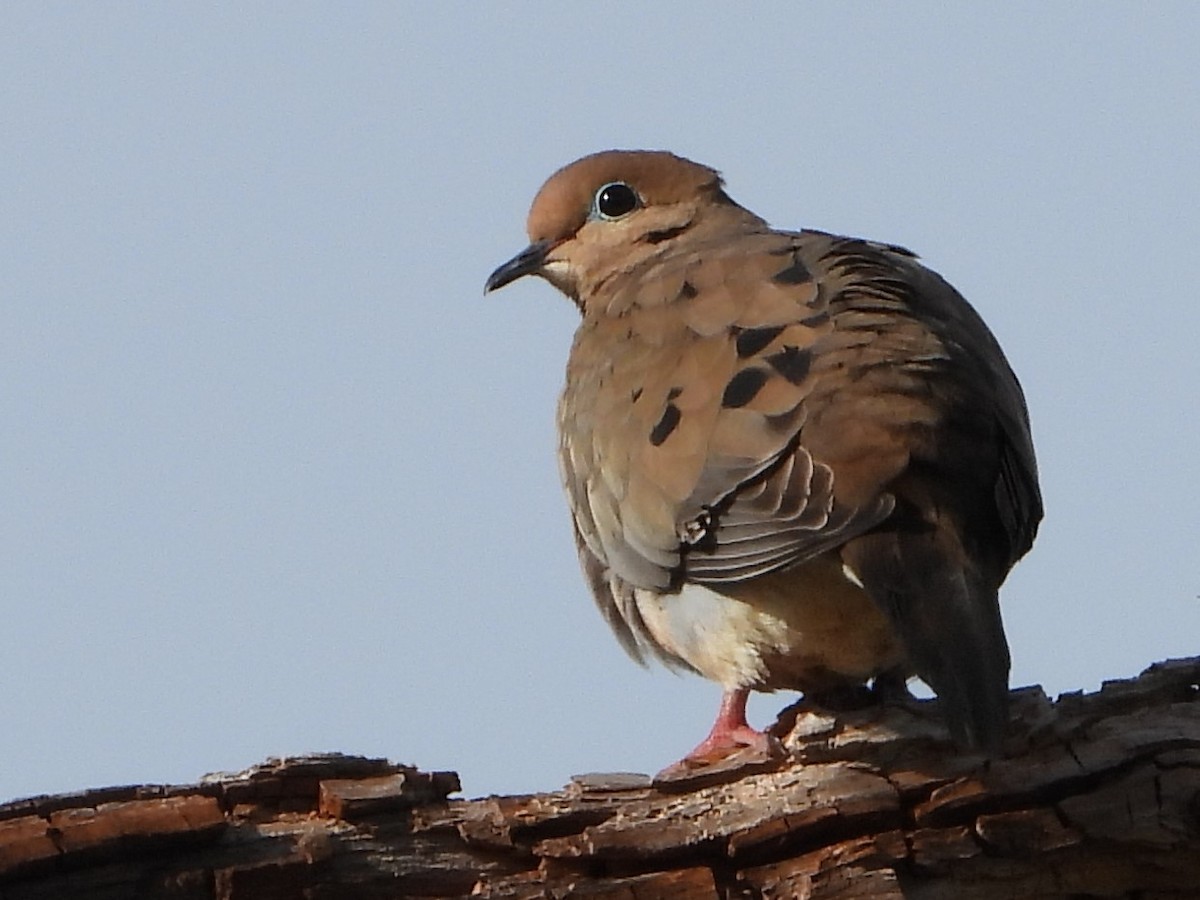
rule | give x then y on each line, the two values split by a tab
793	460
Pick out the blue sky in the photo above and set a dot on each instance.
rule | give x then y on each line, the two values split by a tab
277	478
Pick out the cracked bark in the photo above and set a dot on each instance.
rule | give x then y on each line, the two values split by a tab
1097	796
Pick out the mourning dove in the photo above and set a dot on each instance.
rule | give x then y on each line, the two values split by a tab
794	460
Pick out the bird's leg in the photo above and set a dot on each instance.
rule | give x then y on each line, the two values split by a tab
891	688
730	731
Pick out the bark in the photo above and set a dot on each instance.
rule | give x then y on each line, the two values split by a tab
1097	796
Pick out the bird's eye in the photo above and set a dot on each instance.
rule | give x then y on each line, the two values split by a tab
615	200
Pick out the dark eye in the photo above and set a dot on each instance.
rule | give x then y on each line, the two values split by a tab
615	200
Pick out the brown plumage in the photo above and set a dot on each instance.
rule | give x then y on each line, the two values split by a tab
794	460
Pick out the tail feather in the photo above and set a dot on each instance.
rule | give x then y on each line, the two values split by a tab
948	615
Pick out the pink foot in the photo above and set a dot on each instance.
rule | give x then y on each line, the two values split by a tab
730	733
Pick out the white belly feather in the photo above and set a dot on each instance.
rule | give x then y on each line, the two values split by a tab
802	628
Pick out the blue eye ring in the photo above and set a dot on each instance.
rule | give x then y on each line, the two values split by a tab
615	200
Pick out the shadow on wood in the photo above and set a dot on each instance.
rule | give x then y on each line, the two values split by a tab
1098	796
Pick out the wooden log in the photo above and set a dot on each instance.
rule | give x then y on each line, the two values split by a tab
1097	796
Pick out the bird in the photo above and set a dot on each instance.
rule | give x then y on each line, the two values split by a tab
793	460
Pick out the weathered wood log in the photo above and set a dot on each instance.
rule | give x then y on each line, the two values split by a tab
1098	796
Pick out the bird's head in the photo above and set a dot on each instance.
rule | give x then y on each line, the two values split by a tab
608	212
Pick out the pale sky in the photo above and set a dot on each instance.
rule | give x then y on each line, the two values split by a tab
277	478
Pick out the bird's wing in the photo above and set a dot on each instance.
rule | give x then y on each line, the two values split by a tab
749	404
690	397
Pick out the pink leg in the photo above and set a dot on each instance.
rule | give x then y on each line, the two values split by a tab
730	731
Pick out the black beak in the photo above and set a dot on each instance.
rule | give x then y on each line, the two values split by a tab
528	262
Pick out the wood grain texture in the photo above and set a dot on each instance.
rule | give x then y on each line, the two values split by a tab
1097	796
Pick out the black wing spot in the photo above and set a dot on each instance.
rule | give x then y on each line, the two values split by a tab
666	425
687	291
796	273
657	237
673	393
743	387
637	393
792	363
754	340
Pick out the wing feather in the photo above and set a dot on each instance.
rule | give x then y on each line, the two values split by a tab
758	413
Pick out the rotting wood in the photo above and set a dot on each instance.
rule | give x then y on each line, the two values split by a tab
1098	796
